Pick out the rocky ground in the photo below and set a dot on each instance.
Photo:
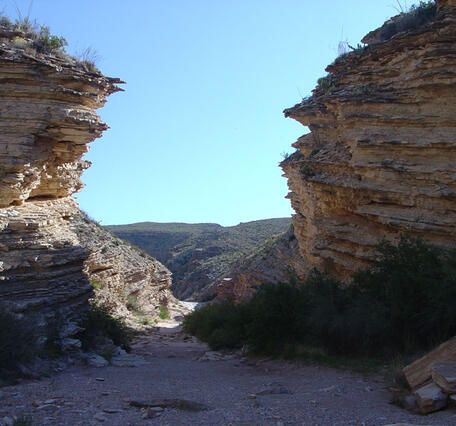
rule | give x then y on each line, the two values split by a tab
171	379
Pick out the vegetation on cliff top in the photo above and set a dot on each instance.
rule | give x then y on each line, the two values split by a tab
408	19
37	39
414	18
403	303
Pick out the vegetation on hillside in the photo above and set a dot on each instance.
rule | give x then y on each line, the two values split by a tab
405	302
199	255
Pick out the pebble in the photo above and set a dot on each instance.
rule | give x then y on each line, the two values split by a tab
52	401
99	417
47	407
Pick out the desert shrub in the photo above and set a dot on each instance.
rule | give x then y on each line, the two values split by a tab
45	42
163	312
326	85
88	59
220	325
405	302
95	284
18	341
99	323
5	22
416	282
307	171
415	18
278	316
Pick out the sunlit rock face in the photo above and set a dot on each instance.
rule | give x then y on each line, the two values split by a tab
380	158
47	251
276	261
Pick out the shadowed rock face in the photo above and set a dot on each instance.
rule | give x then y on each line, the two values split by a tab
380	158
47	253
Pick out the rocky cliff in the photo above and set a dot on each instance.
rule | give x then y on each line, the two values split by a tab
277	260
48	115
380	158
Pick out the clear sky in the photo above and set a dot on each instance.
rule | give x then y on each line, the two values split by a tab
199	131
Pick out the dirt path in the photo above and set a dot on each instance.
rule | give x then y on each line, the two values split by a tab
229	390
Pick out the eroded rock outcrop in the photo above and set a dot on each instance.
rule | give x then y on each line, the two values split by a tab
130	283
278	260
47	252
380	158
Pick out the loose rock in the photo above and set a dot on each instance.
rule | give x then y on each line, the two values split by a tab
430	398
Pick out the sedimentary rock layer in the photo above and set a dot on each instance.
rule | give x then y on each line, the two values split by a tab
48	251
380	158
276	261
127	281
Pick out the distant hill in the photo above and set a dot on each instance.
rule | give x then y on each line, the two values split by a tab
198	254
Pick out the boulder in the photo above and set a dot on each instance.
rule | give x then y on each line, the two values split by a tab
98	361
430	398
444	375
420	371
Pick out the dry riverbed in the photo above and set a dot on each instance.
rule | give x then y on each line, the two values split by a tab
173	380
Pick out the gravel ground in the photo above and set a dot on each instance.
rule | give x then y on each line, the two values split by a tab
232	390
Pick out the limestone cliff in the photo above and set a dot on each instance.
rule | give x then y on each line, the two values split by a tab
380	158
48	115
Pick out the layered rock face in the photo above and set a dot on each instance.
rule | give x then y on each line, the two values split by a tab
47	252
276	261
380	158
129	282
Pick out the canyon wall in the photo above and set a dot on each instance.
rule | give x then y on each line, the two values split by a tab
48	115
277	260
380	158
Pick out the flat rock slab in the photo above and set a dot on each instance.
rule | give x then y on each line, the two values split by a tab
430	398
420	371
444	375
178	404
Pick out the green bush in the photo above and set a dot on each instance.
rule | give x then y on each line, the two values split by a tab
164	312
18	341
45	42
405	302
416	17
95	284
277	316
99	323
326	85
220	325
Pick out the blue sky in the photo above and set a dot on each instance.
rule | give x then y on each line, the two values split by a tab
199	131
